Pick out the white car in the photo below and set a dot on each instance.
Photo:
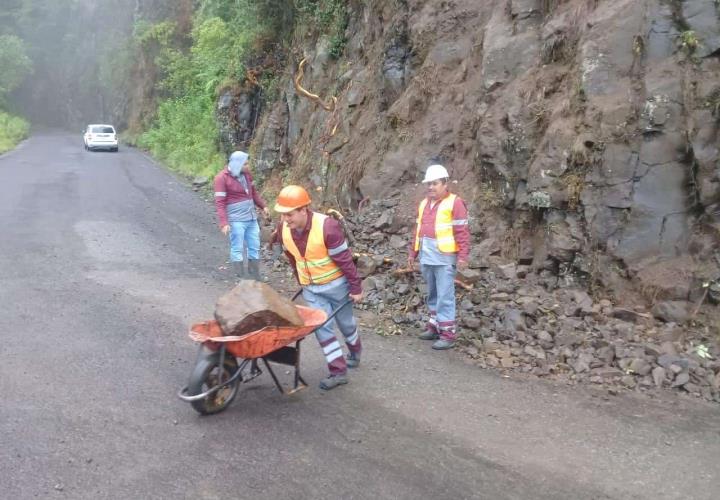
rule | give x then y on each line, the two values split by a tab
99	136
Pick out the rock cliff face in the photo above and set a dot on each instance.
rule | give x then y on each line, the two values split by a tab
584	133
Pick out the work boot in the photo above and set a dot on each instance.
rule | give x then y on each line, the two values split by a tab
333	381
443	344
239	269
254	269
352	359
429	335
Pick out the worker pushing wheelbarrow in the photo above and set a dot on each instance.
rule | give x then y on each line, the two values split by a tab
321	259
224	362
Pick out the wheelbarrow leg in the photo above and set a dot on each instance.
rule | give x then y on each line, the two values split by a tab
289	356
272	374
299	382
254	368
298	378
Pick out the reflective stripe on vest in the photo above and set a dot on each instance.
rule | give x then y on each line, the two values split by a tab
315	267
443	225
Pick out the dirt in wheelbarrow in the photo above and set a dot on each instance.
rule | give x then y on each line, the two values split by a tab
251	306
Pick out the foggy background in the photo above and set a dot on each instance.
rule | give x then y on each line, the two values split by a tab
81	57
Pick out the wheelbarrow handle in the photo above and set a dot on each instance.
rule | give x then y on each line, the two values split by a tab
348	301
332	315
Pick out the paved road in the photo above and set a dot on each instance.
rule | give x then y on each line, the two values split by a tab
104	260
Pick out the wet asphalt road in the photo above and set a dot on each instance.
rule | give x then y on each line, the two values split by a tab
105	258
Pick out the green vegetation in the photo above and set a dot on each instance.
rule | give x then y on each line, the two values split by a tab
16	66
689	43
12	131
330	17
225	35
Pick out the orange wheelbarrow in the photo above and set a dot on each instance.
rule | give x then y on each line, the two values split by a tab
225	362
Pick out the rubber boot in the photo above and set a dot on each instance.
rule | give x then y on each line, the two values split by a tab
442	344
352	359
429	335
254	269
239	269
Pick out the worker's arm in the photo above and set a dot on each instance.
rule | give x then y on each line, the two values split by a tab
341	254
461	231
221	200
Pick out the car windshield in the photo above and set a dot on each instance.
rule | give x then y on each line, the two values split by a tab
102	130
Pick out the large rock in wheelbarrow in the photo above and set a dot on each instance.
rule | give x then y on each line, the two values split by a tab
253	305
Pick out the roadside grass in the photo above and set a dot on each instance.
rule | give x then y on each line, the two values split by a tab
13	129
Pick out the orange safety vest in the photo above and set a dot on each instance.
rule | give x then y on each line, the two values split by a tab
315	267
443	225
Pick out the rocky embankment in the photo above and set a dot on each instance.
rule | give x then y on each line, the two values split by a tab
584	132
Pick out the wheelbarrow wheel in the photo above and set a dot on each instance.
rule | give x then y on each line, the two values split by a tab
205	376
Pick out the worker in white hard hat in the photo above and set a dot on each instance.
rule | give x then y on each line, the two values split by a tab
442	241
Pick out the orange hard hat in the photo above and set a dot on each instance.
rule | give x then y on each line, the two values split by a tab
290	198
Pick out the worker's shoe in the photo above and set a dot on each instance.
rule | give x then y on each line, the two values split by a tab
239	270
443	344
254	269
352	359
333	381
429	335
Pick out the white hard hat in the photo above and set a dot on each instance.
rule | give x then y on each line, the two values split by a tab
435	172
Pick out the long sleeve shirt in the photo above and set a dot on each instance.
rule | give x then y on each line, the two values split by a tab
337	246
461	231
235	201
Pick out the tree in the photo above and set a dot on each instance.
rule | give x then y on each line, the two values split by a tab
15	64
